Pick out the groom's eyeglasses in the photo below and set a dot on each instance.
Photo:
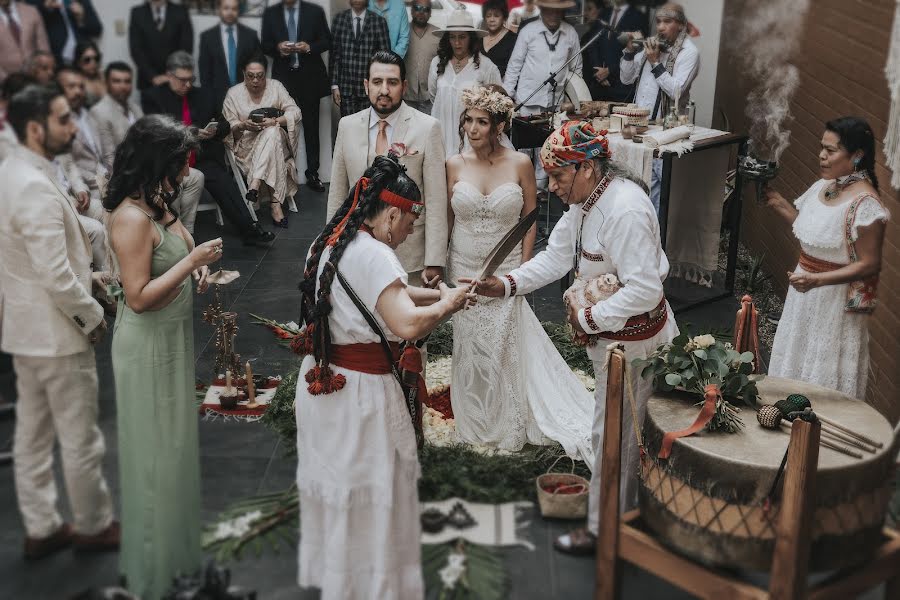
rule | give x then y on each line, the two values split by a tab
420	8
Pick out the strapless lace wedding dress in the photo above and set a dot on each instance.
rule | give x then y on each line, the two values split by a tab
509	385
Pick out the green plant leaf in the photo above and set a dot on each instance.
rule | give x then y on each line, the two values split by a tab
746	357
700	353
673	379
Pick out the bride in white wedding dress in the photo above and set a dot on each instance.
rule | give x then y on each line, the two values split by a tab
509	386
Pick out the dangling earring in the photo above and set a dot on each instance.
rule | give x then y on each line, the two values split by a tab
856	162
390	236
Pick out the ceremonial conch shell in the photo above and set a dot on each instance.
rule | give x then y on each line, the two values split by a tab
221	277
586	293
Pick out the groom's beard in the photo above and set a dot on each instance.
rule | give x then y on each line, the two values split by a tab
385	111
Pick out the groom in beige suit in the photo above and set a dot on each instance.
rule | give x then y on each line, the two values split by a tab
391	123
49	323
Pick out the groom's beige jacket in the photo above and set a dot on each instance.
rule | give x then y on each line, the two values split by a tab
424	161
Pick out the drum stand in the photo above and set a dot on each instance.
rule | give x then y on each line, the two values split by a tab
623	540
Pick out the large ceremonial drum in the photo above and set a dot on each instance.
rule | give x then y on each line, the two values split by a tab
707	500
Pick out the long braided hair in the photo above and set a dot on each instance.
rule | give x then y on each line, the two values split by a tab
362	203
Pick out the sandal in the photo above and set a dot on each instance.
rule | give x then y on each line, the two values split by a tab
579	542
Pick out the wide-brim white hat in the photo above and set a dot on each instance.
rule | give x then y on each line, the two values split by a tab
555	3
460	21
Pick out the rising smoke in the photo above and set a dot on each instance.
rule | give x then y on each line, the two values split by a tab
768	33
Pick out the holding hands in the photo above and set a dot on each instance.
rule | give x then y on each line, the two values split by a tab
492	286
459	298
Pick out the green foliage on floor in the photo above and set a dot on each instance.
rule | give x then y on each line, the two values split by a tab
459	471
483	578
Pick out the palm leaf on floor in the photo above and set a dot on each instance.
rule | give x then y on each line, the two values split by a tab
483	576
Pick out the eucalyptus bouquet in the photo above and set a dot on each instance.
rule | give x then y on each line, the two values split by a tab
704	365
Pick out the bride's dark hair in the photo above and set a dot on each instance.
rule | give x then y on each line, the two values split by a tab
152	154
387	173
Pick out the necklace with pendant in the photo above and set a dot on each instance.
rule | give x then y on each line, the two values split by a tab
459	64
841	183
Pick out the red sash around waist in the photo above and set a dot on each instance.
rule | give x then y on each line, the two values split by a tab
811	264
640	327
364	358
371	359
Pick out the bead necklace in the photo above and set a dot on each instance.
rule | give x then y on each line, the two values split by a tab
837	186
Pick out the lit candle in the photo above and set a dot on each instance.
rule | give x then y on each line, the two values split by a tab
227	383
251	389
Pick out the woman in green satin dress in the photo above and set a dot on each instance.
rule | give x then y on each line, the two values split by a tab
153	356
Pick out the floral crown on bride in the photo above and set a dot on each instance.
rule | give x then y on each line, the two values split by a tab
490	101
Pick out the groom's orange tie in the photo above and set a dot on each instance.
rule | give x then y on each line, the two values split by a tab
381	141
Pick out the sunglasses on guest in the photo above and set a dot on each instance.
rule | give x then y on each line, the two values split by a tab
420	8
89	58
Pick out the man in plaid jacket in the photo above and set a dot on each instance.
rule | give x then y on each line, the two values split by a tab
357	34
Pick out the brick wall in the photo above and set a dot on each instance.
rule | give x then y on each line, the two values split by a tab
843	50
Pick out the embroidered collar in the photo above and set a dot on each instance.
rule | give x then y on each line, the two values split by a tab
596	194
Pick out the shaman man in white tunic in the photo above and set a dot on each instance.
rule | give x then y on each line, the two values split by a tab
611	228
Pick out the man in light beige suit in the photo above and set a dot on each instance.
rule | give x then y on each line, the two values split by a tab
22	33
49	323
362	136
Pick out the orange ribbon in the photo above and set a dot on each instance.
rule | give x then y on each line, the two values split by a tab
712	394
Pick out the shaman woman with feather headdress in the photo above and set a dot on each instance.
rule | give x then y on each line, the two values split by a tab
357	466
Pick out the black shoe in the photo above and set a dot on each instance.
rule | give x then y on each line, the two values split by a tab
252	196
256	235
313	183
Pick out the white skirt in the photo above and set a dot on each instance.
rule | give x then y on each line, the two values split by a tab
356	474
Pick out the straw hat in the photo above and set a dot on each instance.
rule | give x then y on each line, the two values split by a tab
460	20
555	3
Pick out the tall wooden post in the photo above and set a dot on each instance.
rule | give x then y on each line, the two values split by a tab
608	567
790	561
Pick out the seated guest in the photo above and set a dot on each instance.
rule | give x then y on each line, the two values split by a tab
179	81
499	41
90	211
661	74
41	67
86	151
840	222
50	324
68	23
87	60
357	34
115	112
423	47
264	147
156	29
178	99
22	34
224	47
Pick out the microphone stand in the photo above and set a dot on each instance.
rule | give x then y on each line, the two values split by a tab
552	78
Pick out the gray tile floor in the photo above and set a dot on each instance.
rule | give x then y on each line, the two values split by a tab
239	460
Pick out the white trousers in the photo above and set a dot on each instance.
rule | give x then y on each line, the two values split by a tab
630	477
189	198
58	400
